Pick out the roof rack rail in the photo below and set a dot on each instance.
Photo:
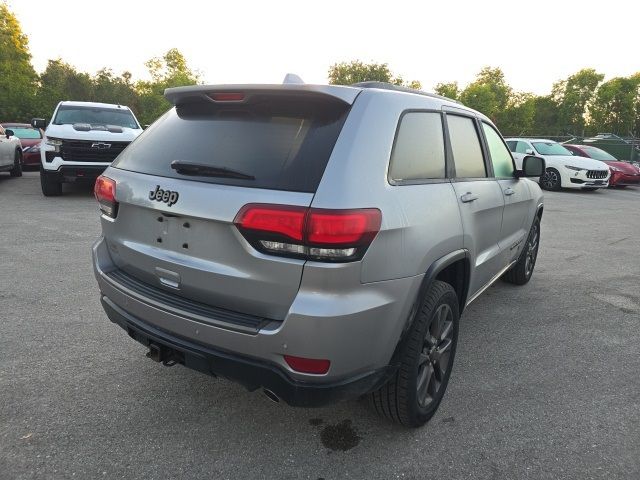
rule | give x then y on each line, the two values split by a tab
399	88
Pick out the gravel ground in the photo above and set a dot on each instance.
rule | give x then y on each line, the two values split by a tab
545	383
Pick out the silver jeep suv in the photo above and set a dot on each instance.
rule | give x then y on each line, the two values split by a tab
316	242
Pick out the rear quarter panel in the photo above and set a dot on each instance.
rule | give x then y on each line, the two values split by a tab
420	223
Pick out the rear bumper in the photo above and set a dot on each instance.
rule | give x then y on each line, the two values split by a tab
251	373
356	327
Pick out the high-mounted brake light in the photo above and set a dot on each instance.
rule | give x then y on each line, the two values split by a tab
105	192
309	233
227	96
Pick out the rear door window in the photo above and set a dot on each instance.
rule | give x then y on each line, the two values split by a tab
418	152
277	143
465	145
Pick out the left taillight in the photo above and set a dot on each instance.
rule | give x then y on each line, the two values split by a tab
105	192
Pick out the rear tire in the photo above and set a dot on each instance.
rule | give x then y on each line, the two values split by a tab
16	171
551	180
522	271
412	396
51	187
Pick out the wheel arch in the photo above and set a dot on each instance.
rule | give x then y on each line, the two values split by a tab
454	269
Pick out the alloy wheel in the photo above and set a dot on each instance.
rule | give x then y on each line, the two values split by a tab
434	361
532	250
550	180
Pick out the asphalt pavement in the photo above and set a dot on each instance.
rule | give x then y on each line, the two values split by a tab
546	381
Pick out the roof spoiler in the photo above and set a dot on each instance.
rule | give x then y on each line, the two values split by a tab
242	93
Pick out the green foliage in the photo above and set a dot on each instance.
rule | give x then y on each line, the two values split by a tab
572	96
616	105
61	81
488	93
450	90
18	79
580	104
171	70
347	73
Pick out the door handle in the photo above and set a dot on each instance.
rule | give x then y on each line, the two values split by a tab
509	191
468	197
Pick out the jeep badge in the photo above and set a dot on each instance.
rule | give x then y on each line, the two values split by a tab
167	196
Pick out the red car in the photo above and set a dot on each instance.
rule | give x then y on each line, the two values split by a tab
30	138
622	173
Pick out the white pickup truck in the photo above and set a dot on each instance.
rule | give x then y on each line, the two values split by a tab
82	140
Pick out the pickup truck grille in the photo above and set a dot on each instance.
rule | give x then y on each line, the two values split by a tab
91	150
597	174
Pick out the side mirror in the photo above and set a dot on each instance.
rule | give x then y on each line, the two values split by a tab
532	167
40	123
528	151
9	133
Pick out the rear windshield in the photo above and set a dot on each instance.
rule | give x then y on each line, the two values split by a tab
283	143
70	114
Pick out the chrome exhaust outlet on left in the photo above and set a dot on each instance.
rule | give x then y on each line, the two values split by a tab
271	396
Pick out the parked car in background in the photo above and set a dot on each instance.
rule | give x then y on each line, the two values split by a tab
621	148
622	173
564	169
82	140
30	138
285	236
10	153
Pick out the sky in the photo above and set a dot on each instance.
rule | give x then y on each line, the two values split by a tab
534	42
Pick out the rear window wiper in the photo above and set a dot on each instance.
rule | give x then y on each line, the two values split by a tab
203	170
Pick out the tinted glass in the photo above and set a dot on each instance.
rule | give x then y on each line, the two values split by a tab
550	148
284	144
69	115
500	156
467	154
26	133
522	147
418	152
512	145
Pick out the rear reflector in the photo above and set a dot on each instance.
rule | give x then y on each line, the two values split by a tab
307	365
227	96
105	192
309	233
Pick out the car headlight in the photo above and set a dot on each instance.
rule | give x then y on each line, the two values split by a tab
53	141
56	143
31	149
577	169
614	169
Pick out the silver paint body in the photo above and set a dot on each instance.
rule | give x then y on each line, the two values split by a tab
351	313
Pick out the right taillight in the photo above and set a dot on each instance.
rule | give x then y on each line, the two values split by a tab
309	233
105	192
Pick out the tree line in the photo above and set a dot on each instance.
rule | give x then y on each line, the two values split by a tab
582	104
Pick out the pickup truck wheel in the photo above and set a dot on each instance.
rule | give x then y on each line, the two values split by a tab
16	171
550	180
413	394
522	271
51	187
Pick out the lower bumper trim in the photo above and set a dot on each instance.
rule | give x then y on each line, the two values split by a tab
249	372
